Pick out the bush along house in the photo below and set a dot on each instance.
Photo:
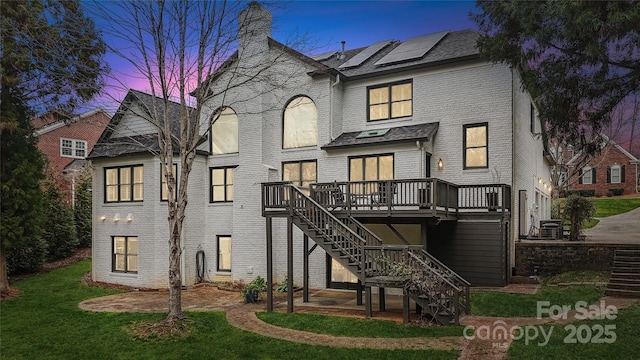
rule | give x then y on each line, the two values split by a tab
353	169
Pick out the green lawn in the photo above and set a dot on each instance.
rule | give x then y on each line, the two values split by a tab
610	206
614	206
46	323
589	341
493	303
343	326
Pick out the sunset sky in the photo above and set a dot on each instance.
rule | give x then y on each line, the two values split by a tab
359	23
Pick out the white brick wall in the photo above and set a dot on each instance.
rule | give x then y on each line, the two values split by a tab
452	95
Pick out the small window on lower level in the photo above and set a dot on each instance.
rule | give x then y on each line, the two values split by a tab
125	254
224	253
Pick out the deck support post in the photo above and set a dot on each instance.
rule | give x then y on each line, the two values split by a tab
289	264
305	280
359	293
269	264
405	308
423	234
367	302
381	301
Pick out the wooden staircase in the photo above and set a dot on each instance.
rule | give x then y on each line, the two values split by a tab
625	275
440	292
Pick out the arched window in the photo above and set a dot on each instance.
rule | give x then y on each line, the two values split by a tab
224	132
300	127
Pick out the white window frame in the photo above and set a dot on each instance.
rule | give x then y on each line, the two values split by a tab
587	171
75	146
616	169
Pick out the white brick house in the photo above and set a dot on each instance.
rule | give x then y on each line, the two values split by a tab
441	113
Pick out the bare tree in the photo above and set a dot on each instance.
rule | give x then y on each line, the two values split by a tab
185	52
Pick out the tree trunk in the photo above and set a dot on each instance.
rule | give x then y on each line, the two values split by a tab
573	236
4	279
175	274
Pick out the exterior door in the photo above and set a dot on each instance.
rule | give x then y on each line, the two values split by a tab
361	168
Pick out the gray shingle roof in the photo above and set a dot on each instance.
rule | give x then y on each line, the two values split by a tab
108	146
455	46
394	135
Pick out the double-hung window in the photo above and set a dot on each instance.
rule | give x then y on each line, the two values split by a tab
616	174
125	254
476	149
221	184
588	175
164	190
390	101
124	184
73	148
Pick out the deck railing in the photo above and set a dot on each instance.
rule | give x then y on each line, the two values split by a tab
386	196
494	197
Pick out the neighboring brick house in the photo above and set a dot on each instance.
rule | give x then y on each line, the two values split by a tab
612	168
66	140
439	117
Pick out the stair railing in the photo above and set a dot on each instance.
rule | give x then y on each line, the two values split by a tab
343	238
456	280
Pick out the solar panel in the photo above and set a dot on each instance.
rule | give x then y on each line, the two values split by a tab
323	56
365	54
411	49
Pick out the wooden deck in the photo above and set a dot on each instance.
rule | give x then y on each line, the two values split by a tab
402	199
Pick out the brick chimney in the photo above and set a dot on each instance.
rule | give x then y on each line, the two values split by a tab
254	27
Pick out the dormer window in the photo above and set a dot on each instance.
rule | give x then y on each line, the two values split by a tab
390	101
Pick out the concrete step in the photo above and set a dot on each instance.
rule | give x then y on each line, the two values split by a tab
621	286
626	269
622	293
621	280
626	262
624	275
627	252
632	259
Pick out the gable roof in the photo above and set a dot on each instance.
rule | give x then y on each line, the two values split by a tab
607	141
394	135
109	146
56	119
451	47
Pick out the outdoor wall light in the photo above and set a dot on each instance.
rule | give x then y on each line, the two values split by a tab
539	180
129	217
116	217
103	217
440	164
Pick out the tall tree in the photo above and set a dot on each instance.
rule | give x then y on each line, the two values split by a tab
181	48
51	57
580	59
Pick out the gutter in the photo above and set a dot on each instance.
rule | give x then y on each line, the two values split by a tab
331	138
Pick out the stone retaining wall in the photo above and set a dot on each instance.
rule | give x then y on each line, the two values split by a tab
546	258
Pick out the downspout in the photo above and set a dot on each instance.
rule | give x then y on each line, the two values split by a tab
331	106
511	245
